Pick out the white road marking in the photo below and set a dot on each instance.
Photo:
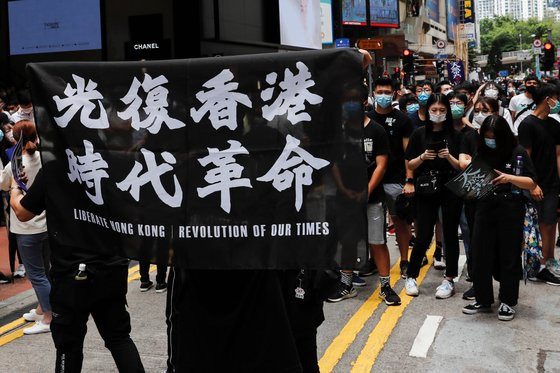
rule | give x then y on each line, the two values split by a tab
462	262
425	336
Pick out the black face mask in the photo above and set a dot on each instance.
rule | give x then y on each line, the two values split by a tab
532	89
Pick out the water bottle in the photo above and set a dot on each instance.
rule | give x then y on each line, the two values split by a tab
518	172
82	274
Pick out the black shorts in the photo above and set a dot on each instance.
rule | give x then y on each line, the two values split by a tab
547	207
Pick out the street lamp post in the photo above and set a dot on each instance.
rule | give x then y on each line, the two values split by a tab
520	54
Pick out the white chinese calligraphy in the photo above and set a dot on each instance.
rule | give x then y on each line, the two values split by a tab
80	98
155	105
293	96
282	172
153	174
88	169
226	175
220	101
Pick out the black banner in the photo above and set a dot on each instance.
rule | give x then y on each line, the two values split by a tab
225	162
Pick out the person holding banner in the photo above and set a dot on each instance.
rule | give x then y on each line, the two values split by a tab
499	217
432	157
31	235
74	298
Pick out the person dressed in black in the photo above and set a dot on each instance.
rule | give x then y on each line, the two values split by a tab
498	227
539	134
99	290
432	156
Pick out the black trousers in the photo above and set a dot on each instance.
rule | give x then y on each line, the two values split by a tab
470	211
427	208
496	245
144	268
103	295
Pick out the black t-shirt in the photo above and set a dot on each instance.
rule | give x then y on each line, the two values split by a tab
398	127
417	145
542	136
528	168
469	143
416	121
65	259
376	143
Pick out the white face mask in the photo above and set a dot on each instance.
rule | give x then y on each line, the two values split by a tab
10	135
26	111
437	118
491	93
478	119
446	92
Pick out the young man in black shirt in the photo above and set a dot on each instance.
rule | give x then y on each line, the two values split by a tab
102	294
540	136
399	128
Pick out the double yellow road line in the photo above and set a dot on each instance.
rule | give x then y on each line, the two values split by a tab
380	334
14	330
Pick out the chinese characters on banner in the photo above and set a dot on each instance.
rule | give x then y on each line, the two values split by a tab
227	161
456	72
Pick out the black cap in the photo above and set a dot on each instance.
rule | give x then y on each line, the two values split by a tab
4	119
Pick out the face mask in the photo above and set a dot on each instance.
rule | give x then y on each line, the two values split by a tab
352	108
457	111
384	101
1	135
531	89
437	118
510	90
26	111
556	108
412	108
423	98
447	92
491	143
478	119
491	93
10	136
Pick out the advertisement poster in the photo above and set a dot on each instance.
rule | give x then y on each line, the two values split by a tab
433	9
384	13
452	17
326	22
354	12
468	11
306	14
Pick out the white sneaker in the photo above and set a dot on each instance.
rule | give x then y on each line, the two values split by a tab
20	272
445	290
553	266
32	316
439	264
38	328
411	287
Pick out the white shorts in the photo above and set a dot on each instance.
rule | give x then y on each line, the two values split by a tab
376	224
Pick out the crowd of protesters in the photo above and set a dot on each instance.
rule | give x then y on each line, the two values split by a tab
432	132
415	139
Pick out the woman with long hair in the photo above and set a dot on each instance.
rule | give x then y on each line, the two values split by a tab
498	224
432	156
31	236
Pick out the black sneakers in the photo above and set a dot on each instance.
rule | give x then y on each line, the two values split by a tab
404	268
161	287
389	296
546	276
145	286
469	294
342	292
473	308
4	279
369	269
506	313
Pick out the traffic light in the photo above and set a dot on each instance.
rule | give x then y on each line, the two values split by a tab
549	56
408	61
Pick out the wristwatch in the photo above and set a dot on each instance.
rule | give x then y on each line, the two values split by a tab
409	180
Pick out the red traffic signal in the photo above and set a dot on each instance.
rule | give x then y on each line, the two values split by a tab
547	46
406	52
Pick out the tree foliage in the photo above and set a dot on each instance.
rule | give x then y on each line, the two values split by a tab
507	30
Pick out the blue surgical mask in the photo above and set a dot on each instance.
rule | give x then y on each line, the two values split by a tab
556	108
384	101
491	143
1	135
423	98
352	108
412	108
